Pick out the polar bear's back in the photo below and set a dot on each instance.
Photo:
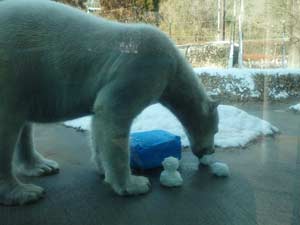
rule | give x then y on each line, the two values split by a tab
64	33
50	52
32	20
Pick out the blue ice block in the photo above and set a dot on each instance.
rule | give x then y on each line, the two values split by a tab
150	148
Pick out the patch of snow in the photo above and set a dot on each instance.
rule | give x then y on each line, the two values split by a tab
206	160
243	80
281	95
217	168
236	127
295	108
255	94
214	92
158	117
245	72
83	123
220	169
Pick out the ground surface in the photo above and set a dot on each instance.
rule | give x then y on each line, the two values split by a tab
264	186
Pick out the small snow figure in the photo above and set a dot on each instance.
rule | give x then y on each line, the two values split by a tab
220	169
170	177
217	168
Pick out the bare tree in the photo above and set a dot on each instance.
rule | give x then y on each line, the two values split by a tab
285	14
189	21
241	48
232	37
132	10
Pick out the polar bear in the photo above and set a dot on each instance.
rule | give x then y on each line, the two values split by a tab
58	63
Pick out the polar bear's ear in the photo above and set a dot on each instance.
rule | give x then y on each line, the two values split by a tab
213	105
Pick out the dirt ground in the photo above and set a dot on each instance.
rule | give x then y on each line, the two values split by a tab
263	188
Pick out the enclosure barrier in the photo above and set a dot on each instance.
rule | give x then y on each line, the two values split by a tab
251	84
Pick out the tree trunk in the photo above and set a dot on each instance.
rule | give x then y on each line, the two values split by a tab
156	11
224	21
240	58
232	38
294	33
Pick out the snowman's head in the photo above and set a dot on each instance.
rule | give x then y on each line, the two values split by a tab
170	163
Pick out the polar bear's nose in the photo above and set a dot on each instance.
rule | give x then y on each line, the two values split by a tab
205	151
209	150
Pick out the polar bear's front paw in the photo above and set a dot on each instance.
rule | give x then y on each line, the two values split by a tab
40	167
15	193
134	186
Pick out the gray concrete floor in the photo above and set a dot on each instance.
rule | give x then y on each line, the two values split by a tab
264	186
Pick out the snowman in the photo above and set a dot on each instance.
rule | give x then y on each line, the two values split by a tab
170	177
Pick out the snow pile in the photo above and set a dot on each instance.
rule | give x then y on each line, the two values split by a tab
158	117
236	127
295	108
220	169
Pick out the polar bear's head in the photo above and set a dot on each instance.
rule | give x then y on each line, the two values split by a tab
203	140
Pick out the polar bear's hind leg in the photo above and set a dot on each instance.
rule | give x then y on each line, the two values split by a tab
12	191
28	161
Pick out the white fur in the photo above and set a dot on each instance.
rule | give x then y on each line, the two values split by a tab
89	70
37	168
19	194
